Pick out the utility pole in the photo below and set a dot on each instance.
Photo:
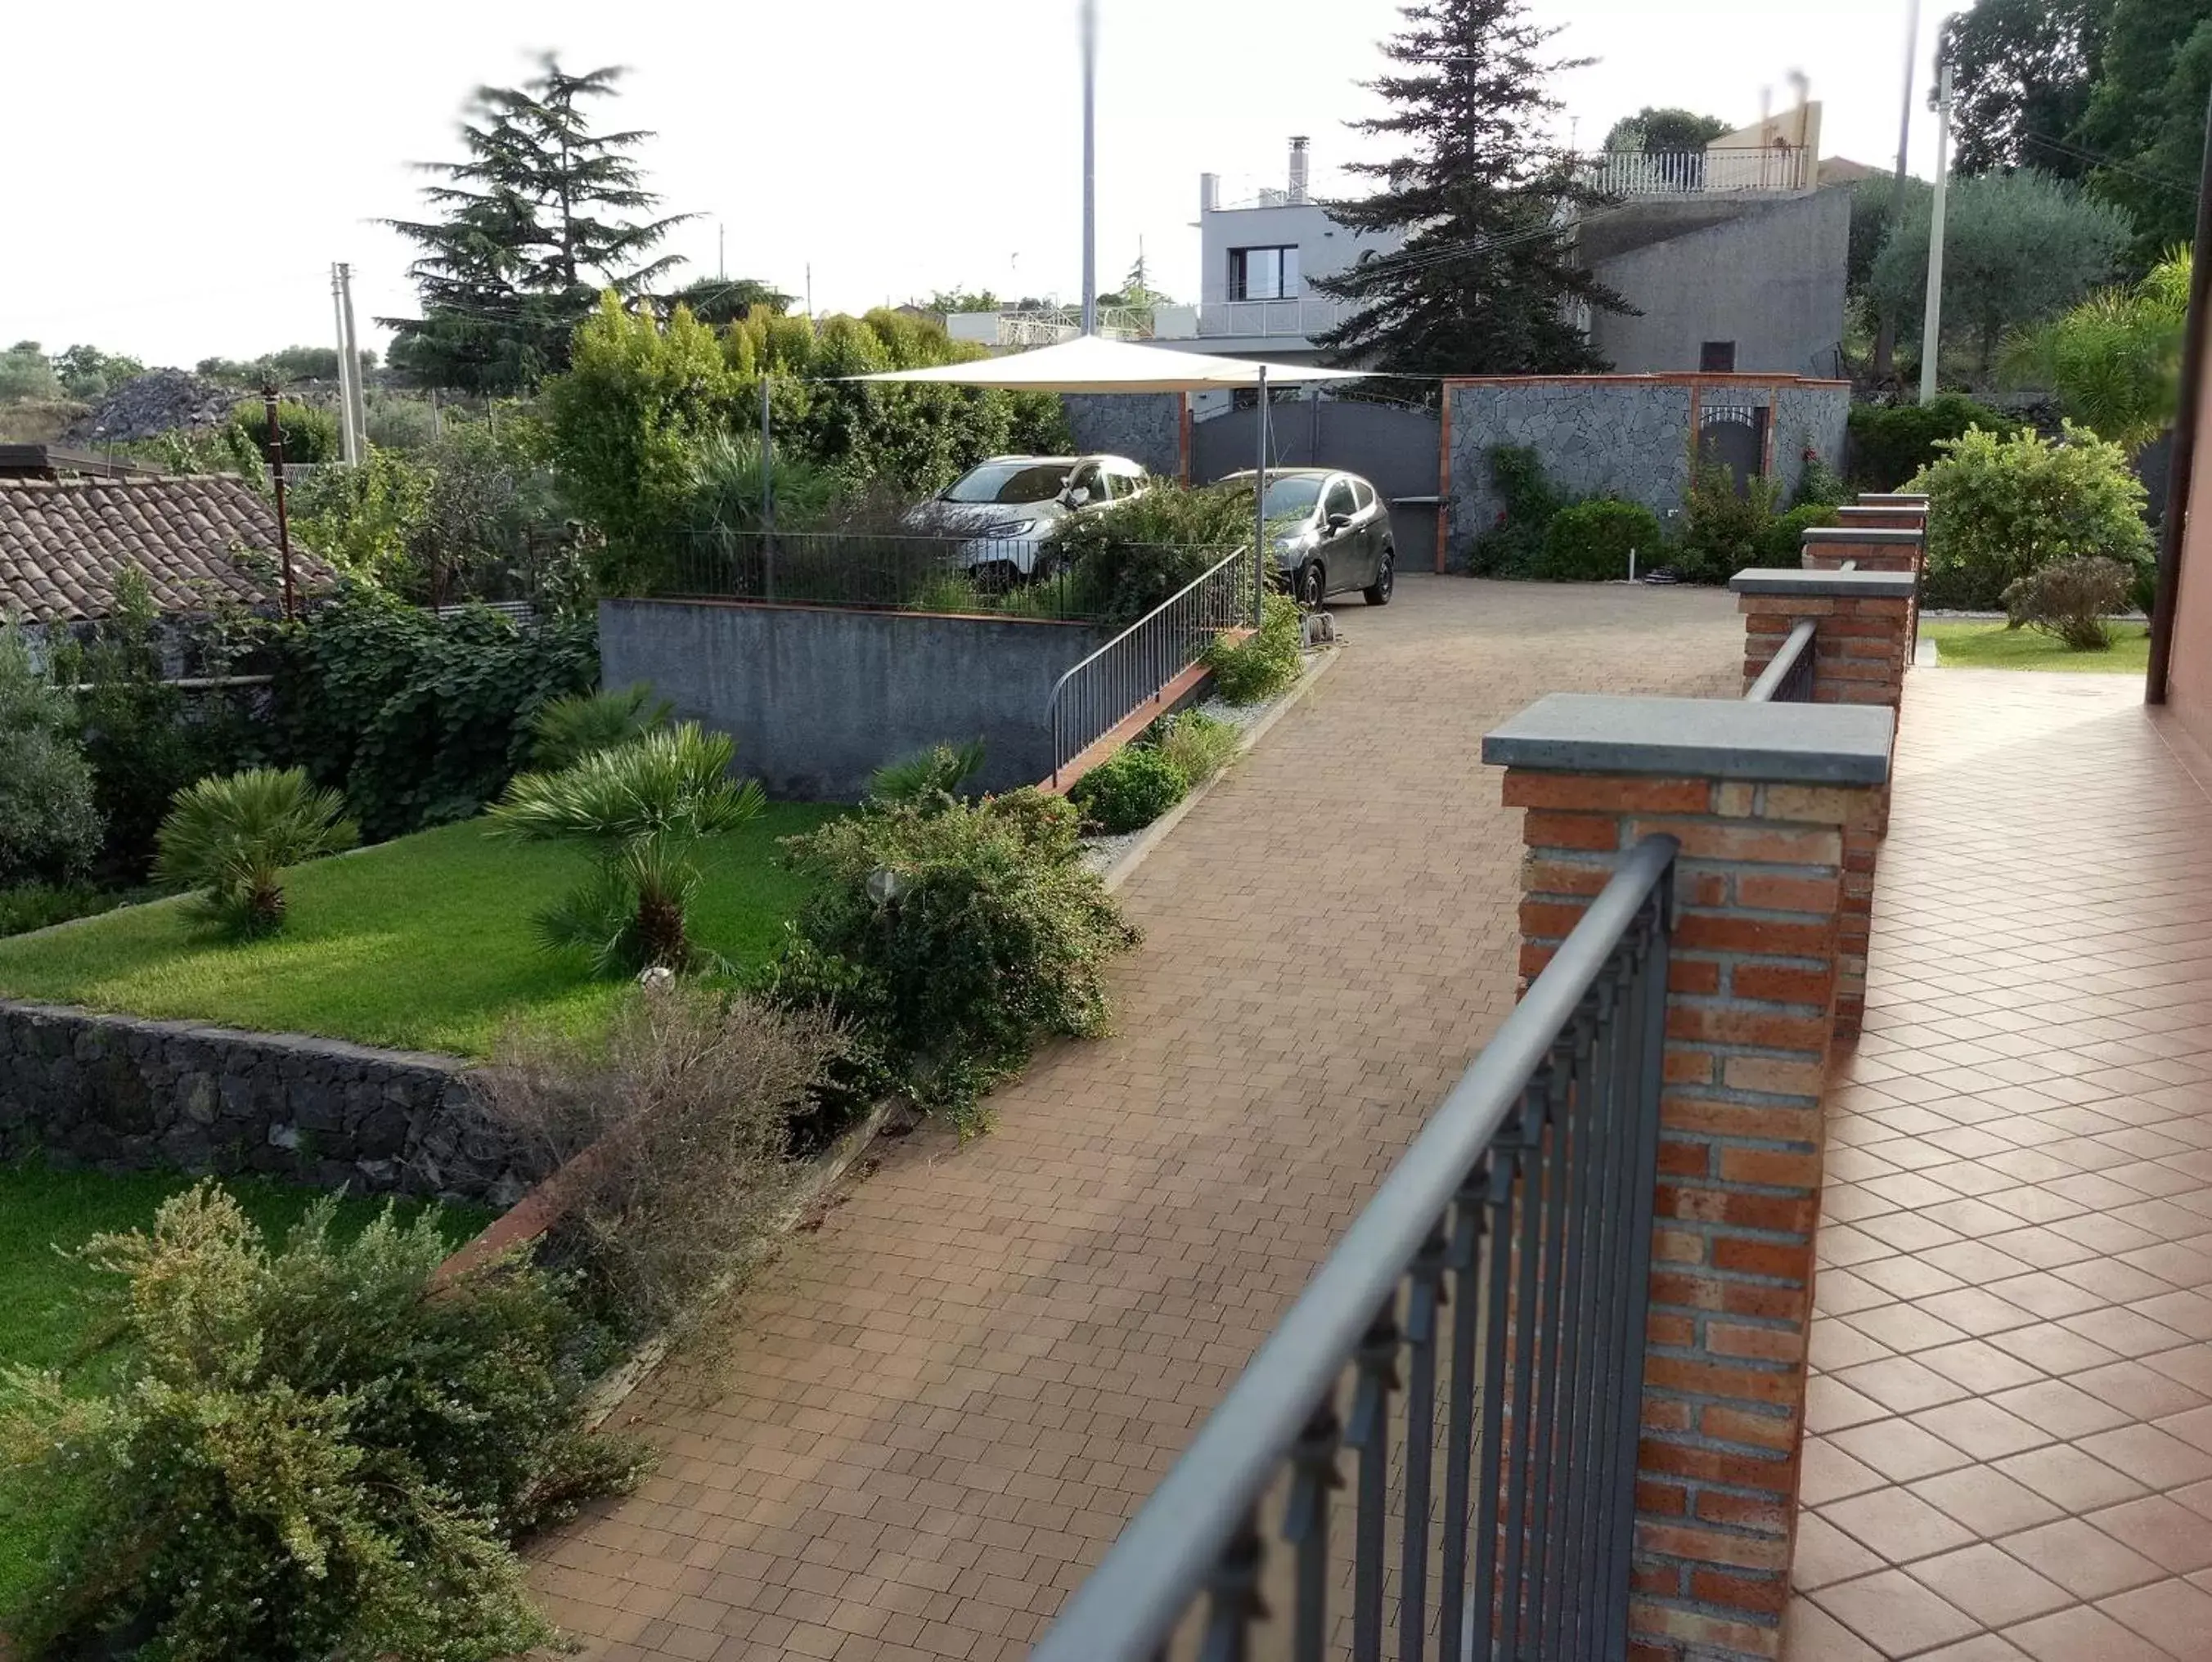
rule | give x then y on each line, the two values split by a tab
1885	340
809	291
283	520
349	450
1089	22
1931	334
360	405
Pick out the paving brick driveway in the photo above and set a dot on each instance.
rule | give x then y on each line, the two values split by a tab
946	1403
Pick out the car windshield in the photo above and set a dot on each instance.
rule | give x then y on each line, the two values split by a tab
1292	498
1008	481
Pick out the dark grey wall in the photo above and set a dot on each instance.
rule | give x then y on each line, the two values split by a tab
122	1094
818	699
1769	278
1144	426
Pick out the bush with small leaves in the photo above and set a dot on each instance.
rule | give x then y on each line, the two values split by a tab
1593	542
50	825
2071	600
232	835
1129	790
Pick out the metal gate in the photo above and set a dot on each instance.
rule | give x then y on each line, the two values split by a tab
1395	447
1734	436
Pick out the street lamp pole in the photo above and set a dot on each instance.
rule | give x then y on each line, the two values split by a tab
1089	24
1931	339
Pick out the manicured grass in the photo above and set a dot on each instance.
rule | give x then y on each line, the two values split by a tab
423	944
47	1312
1993	646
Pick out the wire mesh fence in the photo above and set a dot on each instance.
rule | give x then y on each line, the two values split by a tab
1009	577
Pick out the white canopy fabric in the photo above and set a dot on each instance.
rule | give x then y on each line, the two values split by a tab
1091	363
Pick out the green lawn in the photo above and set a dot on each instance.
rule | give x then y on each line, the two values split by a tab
1993	646
424	943
45	1314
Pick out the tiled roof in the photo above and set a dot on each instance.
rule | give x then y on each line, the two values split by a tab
64	543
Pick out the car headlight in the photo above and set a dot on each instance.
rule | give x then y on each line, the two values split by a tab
1014	528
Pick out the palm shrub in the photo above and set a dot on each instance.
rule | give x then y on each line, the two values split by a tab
233	834
640	807
2114	359
928	778
302	1451
50	828
567	729
1999	509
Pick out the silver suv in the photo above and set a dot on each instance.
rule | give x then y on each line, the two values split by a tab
1006	508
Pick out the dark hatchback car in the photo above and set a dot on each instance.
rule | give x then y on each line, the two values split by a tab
1331	534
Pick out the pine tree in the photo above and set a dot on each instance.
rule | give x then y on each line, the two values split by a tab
1485	282
541	217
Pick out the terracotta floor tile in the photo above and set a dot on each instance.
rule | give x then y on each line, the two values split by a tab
1981	1647
1982	1368
2084	1560
1825	1555
1904	1328
1813	1635
2052	1348
2170	1535
1900	1385
1981	1429
2171	1614
2057	1406
1985	1501
1993	1589
2082	1634
1899	1450
2149	1455
1826	1473
1894	1613
2064	1475
1898	1525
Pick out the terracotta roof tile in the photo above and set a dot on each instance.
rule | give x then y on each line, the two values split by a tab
64	543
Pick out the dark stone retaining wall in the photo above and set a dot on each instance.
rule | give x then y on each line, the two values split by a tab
119	1093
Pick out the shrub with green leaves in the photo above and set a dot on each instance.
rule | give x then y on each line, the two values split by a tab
1591	541
1890	443
1514	547
1784	544
928	778
1264	662
232	835
50	829
567	729
1128	558
1199	745
2071	600
303	1452
1129	790
955	939
1726	528
640	807
1999	509
310	432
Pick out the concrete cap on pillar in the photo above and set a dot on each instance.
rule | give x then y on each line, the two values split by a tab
1862	536
1697	738
1826	584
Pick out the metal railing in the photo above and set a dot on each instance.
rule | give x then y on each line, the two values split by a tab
1701	173
1789	678
1136	665
1499	1272
1011	576
1305	316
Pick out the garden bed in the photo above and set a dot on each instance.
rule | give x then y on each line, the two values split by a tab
49	1313
423	943
1991	646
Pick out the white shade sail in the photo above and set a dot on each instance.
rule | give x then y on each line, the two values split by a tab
1091	363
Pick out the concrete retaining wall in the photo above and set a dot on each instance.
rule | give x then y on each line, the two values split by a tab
818	699
120	1093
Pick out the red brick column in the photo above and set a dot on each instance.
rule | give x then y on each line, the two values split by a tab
1861	516
1757	957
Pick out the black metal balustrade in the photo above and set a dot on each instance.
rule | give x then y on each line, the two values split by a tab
1789	678
1484	1311
1016	577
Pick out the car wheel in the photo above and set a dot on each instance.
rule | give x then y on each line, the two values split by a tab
1313	586
1386	578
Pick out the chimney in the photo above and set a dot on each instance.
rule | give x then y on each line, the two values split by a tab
1209	192
1298	175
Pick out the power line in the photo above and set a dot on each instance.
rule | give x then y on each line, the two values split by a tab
2099	159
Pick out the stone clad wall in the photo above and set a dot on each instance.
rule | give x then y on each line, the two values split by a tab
1144	426
119	1093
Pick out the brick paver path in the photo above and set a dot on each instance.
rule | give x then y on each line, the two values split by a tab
946	1402
2011	1416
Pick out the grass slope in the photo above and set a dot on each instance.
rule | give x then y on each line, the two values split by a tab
47	1311
424	943
1993	646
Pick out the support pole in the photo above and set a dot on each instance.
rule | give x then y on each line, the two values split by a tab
1931	337
1090	21
348	452
2188	434
767	492
360	405
284	522
1259	554
1885	340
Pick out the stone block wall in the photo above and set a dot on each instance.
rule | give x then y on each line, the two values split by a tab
1144	426
120	1093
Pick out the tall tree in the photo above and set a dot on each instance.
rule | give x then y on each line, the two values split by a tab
2145	122
543	214
1485	281
2023	72
1664	132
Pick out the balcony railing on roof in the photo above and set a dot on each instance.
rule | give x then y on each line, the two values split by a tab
1305	316
1714	171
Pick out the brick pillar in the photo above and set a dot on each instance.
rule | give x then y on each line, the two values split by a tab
1825	547
1760	797
1862	649
1861	516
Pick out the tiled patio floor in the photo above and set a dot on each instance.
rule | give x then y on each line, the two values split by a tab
2010	1448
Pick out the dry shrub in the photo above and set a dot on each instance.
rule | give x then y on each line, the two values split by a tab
2071	600
674	1132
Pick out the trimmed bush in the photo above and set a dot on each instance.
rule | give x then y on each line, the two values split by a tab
1591	541
2070	600
1129	790
1890	443
1264	662
303	1452
1784	543
2000	509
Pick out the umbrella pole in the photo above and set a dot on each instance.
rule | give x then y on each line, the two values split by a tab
1260	514
768	493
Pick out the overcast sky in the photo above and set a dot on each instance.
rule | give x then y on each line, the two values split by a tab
186	174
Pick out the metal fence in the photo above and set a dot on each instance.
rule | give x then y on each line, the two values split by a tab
1136	665
1789	678
898	573
1488	1308
1715	169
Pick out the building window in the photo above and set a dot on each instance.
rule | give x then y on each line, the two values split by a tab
1717	358
1263	274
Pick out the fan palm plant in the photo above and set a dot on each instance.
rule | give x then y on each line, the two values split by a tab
2114	359
640	807
232	835
927	779
567	730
